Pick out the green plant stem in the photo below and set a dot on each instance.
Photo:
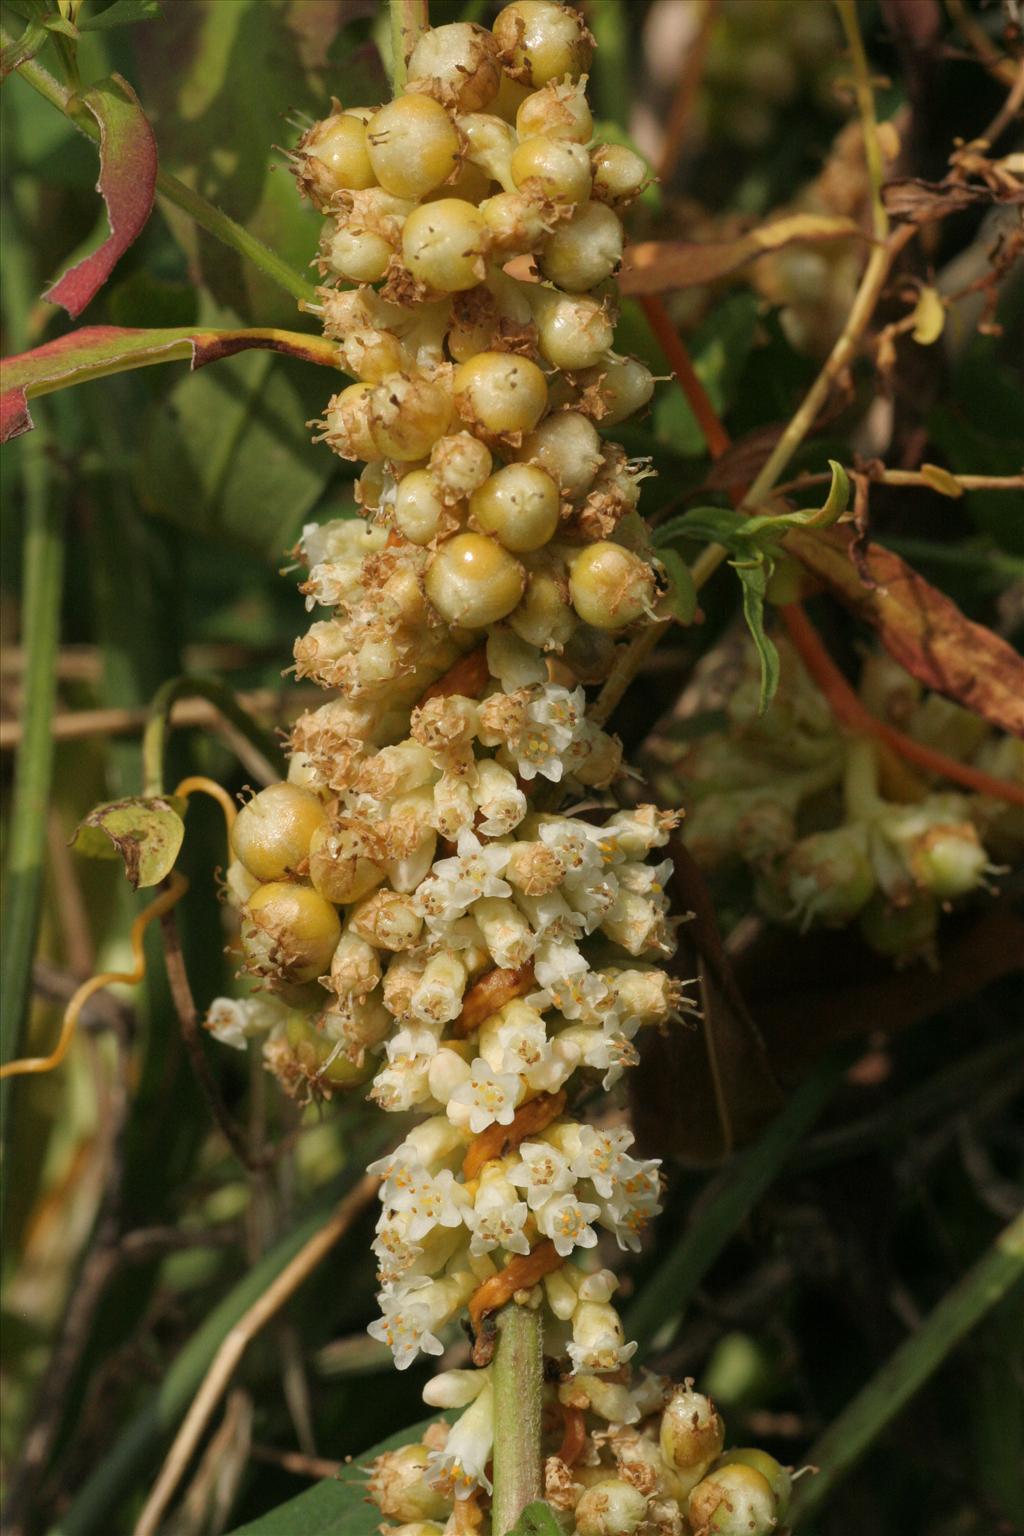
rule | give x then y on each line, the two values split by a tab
409	20
154	739
908	1368
205	214
41	588
609	22
518	1382
657	1311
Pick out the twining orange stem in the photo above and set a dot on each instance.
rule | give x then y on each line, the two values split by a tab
574	1437
176	888
849	711
468	676
499	1140
491	992
520	1275
842	700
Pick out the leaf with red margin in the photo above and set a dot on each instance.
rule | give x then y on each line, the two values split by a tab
128	166
919	626
97	350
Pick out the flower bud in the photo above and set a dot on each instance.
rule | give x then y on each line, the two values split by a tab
691	1430
519	505
556	169
345	860
735	1500
584	251
543	41
499	393
544	617
271	833
610	1507
419	511
399	1486
775	1474
457	64
472	581
618	175
610	586
828	876
413	145
559	110
444	244
568	446
574	331
333	156
459	465
289	932
407	414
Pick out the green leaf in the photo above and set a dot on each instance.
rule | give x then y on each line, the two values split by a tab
705	525
755	574
680	601
123	13
336	1507
227	454
146	834
537	1519
769	527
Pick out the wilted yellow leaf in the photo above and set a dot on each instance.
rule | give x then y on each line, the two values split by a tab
941	480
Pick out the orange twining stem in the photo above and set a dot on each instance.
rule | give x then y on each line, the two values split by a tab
499	1140
574	1437
849	711
522	1274
490	993
198	784
468	676
176	888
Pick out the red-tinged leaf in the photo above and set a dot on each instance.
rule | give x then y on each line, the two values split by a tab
97	350
657	266
919	626
128	166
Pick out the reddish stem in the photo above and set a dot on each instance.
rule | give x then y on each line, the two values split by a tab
842	700
850	712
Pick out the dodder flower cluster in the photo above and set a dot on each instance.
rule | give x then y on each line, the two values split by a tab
618	1459
414	913
826	839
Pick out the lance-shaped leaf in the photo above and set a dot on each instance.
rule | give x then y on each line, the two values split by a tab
920	626
656	266
146	834
97	350
128	166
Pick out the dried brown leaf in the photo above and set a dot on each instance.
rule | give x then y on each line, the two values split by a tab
655	266
920	626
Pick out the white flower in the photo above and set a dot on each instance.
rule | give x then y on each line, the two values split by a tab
579	845
484	1098
516	1040
412	1311
609	1052
566	1221
600	1156
454	884
399	1257
598	1340
234	1021
555	960
542	1172
497	1217
552	717
462	1465
404	1082
634	1200
431	1200
583	995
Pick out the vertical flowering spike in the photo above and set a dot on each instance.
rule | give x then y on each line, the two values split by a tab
409	907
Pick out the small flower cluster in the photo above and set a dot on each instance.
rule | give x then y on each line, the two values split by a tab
756	790
619	1458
